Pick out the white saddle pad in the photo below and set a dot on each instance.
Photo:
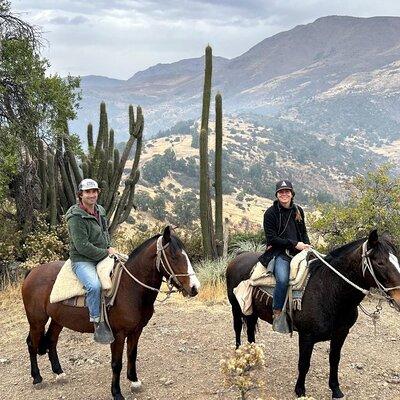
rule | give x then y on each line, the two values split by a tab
67	284
260	277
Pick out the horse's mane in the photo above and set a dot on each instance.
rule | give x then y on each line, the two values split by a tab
175	243
335	256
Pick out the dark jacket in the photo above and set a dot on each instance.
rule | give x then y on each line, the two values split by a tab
89	238
283	231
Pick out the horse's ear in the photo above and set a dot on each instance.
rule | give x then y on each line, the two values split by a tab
167	234
373	238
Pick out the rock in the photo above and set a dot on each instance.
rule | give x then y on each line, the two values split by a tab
168	382
4	361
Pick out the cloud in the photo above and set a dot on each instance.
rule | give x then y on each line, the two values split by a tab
77	20
116	38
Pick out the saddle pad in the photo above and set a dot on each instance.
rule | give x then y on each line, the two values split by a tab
67	284
298	272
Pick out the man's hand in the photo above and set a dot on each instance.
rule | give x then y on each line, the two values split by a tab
111	251
302	246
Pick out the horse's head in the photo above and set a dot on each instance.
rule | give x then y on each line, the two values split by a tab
174	263
380	258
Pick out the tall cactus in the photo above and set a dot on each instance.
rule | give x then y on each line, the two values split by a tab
103	163
206	219
219	233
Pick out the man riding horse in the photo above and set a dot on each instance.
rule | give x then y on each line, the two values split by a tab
89	244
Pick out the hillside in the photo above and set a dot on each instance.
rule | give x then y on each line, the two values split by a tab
255	156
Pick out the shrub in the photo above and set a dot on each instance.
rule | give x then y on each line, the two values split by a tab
242	370
374	203
46	244
237	240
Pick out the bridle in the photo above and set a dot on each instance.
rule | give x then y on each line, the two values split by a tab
366	265
162	262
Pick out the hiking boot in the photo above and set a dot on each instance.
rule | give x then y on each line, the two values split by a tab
102	333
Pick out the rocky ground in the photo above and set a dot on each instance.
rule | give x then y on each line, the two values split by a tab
179	356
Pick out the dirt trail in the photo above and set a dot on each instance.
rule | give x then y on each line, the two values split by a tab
179	354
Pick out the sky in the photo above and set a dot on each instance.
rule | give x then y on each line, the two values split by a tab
116	38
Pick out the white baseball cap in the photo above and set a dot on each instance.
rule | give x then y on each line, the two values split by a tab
88	184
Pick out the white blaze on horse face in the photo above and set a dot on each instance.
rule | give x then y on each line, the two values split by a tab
394	260
194	282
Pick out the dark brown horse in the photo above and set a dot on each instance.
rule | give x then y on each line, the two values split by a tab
132	309
329	305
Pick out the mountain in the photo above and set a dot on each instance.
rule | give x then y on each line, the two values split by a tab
332	66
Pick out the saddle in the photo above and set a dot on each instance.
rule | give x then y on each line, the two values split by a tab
263	278
68	289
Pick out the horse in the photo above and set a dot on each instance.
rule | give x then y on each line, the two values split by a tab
329	303
162	256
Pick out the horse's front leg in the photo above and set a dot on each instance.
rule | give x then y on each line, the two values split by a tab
133	339
334	358
117	349
306	346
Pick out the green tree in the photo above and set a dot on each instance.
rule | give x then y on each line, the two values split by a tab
33	106
374	203
186	209
158	208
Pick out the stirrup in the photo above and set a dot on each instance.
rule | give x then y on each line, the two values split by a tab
102	333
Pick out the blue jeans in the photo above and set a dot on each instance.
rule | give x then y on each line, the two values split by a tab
86	273
281	272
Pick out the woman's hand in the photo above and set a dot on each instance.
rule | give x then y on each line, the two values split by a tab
111	251
302	246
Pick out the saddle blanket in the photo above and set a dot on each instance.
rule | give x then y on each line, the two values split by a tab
67	284
263	277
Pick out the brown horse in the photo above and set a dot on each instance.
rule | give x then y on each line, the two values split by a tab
132	309
329	305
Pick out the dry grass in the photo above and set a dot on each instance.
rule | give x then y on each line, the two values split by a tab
213	293
12	312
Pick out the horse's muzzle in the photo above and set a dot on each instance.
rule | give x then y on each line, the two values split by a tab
190	292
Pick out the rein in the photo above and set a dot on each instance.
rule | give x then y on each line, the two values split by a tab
160	253
365	265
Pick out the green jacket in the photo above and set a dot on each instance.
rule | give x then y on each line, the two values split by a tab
88	238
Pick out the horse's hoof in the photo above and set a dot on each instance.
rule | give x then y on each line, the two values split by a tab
136	386
337	394
37	381
38	385
61	377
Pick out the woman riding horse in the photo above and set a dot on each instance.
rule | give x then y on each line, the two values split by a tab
286	235
329	303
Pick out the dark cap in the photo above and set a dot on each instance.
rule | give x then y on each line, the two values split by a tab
280	185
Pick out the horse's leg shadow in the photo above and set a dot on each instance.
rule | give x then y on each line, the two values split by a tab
117	349
52	335
306	346
334	358
131	353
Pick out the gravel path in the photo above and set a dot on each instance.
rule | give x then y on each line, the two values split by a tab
179	354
